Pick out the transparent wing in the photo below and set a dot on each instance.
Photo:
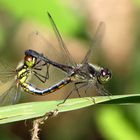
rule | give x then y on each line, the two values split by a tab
96	40
68	58
7	72
16	93
40	42
8	93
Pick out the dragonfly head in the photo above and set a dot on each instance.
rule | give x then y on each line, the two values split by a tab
29	61
104	75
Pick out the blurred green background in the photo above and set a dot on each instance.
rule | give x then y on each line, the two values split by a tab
77	21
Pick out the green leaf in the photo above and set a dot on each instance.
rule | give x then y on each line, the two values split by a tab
30	110
109	119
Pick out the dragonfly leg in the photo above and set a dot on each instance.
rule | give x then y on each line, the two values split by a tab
66	98
47	72
88	86
37	62
39	67
40	76
76	88
102	91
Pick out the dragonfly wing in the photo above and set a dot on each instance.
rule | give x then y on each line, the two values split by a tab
63	47
95	41
6	72
17	95
38	41
8	93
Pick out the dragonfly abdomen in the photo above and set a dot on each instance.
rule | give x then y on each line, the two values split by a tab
36	91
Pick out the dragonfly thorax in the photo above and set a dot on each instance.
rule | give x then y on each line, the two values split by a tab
82	72
22	73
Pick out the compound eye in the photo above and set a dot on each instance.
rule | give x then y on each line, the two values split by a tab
104	76
29	61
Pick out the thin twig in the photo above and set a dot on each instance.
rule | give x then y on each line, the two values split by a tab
40	121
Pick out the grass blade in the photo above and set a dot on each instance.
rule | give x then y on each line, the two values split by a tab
31	110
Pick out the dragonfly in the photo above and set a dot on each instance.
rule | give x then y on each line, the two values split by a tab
83	74
18	79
